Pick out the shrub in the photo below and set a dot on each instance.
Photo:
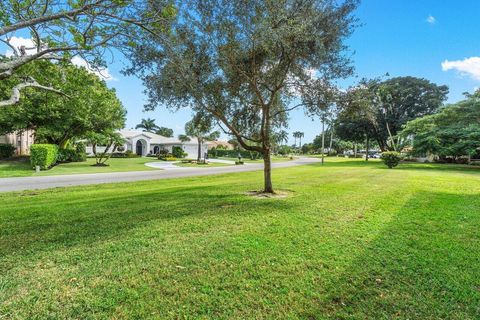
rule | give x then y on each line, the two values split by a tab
6	150
77	154
177	152
43	155
229	153
391	158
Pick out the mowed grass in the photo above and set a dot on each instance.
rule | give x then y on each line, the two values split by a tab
352	241
22	167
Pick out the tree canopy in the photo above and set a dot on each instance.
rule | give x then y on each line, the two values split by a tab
87	105
452	132
378	109
62	29
247	63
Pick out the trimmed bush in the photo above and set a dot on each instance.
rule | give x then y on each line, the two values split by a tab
43	155
177	152
72	155
6	150
391	158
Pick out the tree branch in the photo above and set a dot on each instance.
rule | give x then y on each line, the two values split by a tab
15	96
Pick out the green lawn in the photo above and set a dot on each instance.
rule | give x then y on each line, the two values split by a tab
354	240
22	167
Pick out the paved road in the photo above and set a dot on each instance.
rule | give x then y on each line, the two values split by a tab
45	182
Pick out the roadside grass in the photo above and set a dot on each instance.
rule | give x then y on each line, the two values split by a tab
354	240
22	168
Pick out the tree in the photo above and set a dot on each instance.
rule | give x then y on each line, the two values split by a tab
63	29
452	132
381	108
147	125
59	119
296	136
357	121
110	141
246	62
200	127
166	132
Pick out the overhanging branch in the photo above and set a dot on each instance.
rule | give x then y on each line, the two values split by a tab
15	96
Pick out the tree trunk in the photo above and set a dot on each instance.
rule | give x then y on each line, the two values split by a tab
267	171
355	150
392	141
367	147
323	141
331	140
199	155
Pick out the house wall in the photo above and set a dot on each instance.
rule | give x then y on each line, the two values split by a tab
22	141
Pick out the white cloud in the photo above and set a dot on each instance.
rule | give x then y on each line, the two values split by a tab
466	67
102	73
431	19
18	42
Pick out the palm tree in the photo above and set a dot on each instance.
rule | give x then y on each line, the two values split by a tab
300	136
295	135
147	125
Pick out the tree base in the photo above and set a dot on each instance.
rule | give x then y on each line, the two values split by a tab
100	165
268	195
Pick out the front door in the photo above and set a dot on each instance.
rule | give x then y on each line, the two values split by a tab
139	148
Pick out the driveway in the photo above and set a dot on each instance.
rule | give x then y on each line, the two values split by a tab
45	182
171	165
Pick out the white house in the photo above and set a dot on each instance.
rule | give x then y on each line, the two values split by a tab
145	143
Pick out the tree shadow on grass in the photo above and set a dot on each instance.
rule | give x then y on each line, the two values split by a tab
424	265
86	218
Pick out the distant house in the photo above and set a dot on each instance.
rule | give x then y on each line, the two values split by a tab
146	143
21	140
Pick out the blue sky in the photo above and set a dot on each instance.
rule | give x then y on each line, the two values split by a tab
401	37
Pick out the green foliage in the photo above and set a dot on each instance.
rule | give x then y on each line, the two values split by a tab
88	105
166	132
76	154
217	153
391	158
452	132
284	150
373	108
178	152
147	125
6	150
43	155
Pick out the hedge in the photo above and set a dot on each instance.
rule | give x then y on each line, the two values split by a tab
215	153
6	150
43	155
76	154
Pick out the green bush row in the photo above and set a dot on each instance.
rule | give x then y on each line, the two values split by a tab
6	150
43	155
215	153
77	154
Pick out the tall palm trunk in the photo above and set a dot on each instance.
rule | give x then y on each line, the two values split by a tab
199	155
